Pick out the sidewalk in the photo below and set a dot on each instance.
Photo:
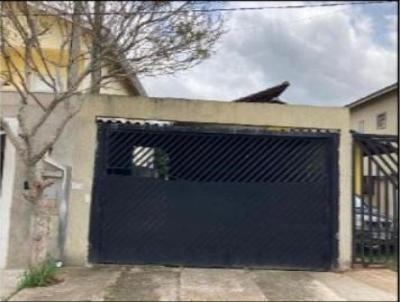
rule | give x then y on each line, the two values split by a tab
156	283
8	282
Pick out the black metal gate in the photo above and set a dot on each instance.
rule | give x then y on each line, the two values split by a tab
198	196
375	199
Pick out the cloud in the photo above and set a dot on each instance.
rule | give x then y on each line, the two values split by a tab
392	29
331	56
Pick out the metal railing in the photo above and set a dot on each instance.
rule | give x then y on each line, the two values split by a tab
375	199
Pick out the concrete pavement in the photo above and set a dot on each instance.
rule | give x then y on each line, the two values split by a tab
8	282
77	284
156	283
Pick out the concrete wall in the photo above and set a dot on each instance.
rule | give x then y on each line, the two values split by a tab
15	223
7	195
84	145
368	112
77	147
16	212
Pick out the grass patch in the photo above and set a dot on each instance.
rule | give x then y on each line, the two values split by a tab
43	274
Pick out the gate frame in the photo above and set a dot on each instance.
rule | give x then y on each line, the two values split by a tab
332	135
354	135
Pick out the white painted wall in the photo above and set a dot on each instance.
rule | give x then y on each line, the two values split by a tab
6	194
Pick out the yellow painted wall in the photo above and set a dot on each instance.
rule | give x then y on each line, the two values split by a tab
358	177
368	111
51	43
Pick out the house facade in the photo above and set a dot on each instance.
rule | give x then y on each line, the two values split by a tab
376	113
55	57
72	163
229	170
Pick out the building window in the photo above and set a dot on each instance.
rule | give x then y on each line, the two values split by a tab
361	126
381	121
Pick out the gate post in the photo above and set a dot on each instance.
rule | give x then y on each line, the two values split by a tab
345	202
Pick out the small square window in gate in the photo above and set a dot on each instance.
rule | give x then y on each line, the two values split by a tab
150	162
143	157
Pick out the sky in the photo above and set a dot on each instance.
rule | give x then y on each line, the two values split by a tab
330	55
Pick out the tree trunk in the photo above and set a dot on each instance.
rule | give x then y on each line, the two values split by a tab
95	76
40	232
40	227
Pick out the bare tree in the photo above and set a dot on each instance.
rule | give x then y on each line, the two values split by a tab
102	41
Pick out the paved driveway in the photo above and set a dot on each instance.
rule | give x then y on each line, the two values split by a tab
152	283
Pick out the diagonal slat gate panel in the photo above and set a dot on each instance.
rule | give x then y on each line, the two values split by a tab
196	197
375	199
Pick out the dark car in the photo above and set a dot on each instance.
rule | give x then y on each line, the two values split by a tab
372	227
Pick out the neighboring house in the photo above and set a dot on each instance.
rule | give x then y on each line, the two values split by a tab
51	42
14	211
376	113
